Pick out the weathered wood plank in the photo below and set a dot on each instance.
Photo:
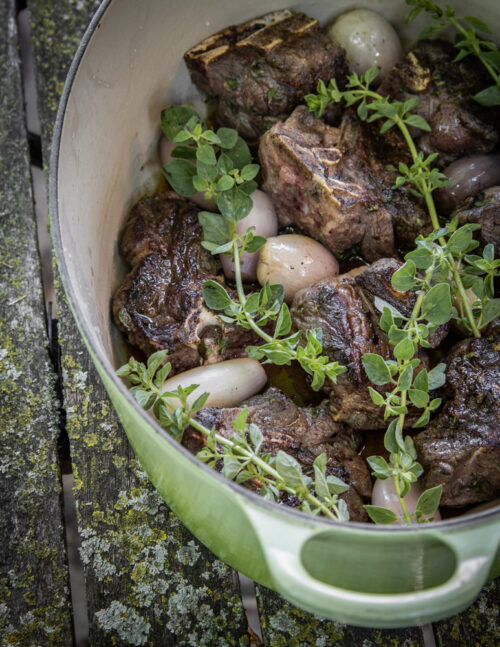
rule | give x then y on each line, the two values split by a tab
479	625
283	625
148	580
34	603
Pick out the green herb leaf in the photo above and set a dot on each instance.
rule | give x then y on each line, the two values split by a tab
289	469
488	97
376	369
228	137
239	154
478	24
416	121
404	350
404	278
174	119
436	304
428	501
215	228
437	377
206	154
380	467
215	296
418	398
380	515
491	310
180	174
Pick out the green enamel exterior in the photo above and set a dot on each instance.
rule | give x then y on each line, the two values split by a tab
235	528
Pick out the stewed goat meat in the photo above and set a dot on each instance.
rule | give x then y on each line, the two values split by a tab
343	308
484	209
333	184
304	433
460	448
261	69
444	88
160	303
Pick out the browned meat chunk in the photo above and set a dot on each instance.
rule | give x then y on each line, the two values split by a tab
260	70
343	309
461	447
160	303
332	185
460	126
302	432
485	210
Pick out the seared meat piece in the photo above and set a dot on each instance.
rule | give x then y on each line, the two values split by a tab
302	432
461	447
331	183
160	303
343	309
485	209
460	126
260	70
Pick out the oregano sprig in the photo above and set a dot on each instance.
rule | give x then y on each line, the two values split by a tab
220	164
448	269
467	42
241	455
420	176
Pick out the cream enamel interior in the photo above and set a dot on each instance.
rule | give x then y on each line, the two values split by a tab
132	68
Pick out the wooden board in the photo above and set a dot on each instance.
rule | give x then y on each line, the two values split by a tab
283	625
35	607
148	580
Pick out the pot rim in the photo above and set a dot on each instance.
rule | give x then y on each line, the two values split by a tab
323	523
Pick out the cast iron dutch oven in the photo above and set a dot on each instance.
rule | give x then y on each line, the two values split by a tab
128	67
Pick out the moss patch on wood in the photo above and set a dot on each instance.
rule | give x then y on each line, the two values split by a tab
35	605
283	625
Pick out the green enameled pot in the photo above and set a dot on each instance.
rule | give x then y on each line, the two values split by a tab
128	67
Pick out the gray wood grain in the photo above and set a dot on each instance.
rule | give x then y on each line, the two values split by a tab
283	625
479	625
34	601
148	580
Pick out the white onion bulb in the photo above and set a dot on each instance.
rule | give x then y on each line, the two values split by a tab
228	383
296	262
368	40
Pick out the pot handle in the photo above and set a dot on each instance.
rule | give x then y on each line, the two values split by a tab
474	550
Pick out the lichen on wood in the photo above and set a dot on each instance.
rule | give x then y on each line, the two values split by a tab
35	607
284	625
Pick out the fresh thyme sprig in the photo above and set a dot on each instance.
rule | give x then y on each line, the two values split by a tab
241	456
467	42
220	164
420	176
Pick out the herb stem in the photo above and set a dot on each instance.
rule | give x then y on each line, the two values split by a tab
242	296
266	468
476	48
431	208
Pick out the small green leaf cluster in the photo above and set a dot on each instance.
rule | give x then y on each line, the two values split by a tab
371	105
421	177
148	380
241	455
258	309
444	251
211	162
467	42
262	307
308	355
224	171
243	462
